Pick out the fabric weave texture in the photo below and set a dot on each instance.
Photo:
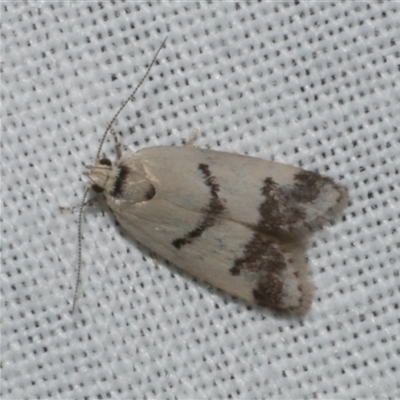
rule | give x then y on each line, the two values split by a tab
312	84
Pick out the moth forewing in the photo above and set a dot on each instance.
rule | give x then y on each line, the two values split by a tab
240	223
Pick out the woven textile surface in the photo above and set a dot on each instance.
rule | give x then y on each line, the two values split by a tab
312	84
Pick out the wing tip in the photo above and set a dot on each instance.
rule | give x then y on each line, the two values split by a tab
286	293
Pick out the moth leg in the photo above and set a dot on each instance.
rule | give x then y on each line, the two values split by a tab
192	138
90	202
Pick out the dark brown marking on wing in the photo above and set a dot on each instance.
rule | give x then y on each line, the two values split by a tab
266	261
308	185
283	213
269	291
264	256
279	237
214	208
259	253
280	215
120	181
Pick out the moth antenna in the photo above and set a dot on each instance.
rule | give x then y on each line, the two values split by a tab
129	98
78	275
117	143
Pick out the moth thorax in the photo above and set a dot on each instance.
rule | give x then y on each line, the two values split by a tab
126	180
102	175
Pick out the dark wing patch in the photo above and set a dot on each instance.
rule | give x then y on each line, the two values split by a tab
289	211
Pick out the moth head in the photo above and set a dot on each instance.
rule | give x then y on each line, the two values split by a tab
102	175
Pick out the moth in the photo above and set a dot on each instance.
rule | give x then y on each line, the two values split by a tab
239	223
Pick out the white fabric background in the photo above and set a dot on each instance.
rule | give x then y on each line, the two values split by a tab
311	84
